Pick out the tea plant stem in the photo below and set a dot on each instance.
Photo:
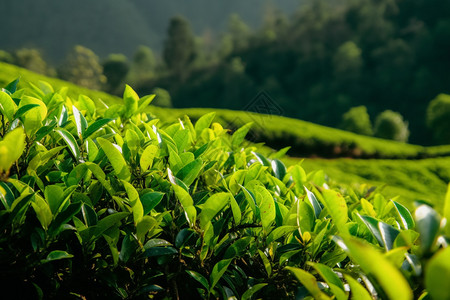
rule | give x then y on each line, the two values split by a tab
3	126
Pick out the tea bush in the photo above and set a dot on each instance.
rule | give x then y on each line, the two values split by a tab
111	204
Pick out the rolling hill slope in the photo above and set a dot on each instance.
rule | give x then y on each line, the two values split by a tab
418	179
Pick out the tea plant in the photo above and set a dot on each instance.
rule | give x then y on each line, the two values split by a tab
105	202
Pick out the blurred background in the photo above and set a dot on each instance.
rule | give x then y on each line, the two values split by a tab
374	67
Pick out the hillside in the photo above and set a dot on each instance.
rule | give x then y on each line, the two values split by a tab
424	179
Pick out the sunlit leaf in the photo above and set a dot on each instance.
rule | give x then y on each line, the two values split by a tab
389	277
437	274
309	282
358	292
70	142
11	148
116	159
218	271
427	223
204	122
239	136
212	206
405	215
92	128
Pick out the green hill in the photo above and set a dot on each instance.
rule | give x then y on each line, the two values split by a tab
418	178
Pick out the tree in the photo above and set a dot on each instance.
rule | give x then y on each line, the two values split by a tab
143	65
162	98
357	120
179	49
438	118
239	32
347	60
115	68
6	57
82	67
30	59
390	125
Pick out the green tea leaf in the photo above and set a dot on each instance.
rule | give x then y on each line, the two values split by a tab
108	222
143	226
372	225
57	255
150	201
238	248
80	121
7	106
239	136
266	263
437	274
32	119
131	100
388	234
405	215
12	86
190	171
389	277
145	101
91	129
132	139
11	148
204	122
212	207
299	177
63	217
148	156
128	248
427	223
337	208
314	202
309	282
42	210
358	292
89	215
44	130
116	159
251	291
23	109
266	206
333	281
181	139
218	271
279	169
187	203
279	232
135	202
156	243
264	161
86	104
237	214
447	211
54	195
100	175
91	149
70	142
160	251
200	278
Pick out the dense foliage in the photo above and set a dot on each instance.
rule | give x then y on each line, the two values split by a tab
108	203
331	56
